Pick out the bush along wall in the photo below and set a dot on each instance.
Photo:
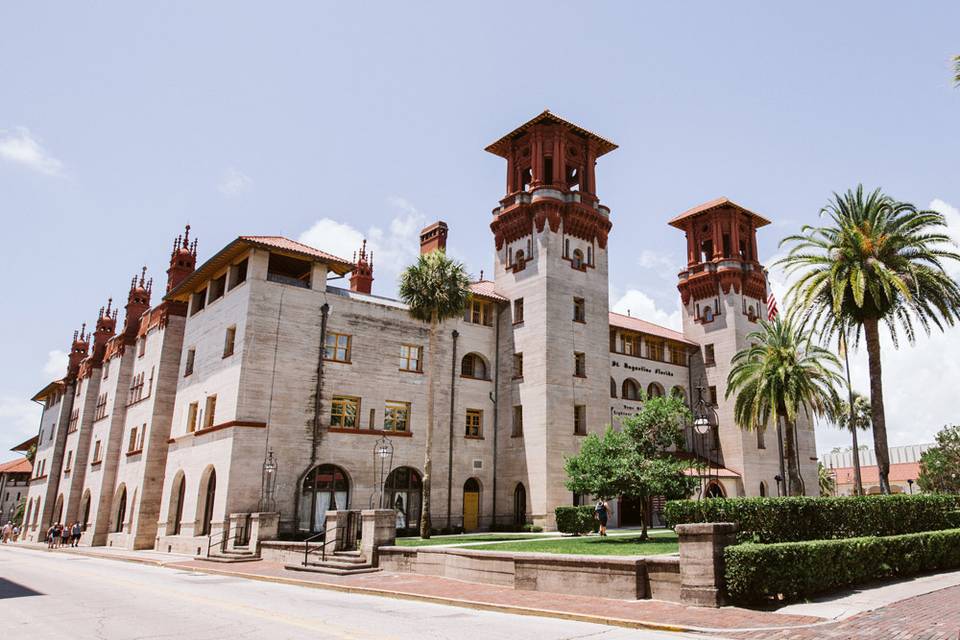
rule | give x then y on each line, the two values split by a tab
796	570
771	520
576	520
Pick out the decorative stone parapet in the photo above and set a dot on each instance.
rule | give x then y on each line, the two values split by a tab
701	562
378	529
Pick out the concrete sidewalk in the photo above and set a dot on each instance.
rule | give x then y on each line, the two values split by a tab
650	614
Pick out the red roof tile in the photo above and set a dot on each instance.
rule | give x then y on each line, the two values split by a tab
21	465
715	204
498	147
642	326
485	289
286	244
870	474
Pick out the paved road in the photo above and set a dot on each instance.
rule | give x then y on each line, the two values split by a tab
56	595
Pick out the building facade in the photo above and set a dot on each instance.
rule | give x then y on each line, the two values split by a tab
262	384
904	469
14	482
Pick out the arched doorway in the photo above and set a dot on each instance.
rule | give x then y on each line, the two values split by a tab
209	497
403	492
57	509
325	488
85	510
471	505
121	509
763	489
520	505
714	490
176	508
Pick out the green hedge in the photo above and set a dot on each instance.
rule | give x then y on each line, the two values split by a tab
772	520
795	570
576	520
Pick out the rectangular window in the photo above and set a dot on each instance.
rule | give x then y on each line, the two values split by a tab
97	451
191	357
337	347
678	355
238	274
209	411
74	419
579	310
580	365
655	350
396	416
106	369
69	460
411	358
192	411
517	365
229	341
141	436
136	388
101	408
760	443
132	443
345	412
713	395
518	311
709	357
217	287
142	346
474	423
517	429
479	312
198	302
631	344
580	419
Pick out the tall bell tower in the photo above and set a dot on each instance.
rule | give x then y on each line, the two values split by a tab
550	233
724	290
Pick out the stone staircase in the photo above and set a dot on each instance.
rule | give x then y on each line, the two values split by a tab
338	563
237	554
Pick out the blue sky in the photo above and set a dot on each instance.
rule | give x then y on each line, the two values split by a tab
120	122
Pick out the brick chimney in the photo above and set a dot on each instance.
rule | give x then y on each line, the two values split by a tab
434	237
361	279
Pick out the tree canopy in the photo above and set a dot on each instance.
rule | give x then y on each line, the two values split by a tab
940	465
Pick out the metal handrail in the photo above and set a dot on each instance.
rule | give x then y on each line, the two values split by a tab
306	545
223	536
322	547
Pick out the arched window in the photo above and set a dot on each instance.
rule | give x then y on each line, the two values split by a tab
520	505
518	261
577	260
763	489
403	492
208	499
325	488
121	509
630	390
655	390
85	510
176	504
679	392
707	314
473	366
714	490
613	388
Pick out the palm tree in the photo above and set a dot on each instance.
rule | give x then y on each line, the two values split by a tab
878	260
827	482
781	373
853	417
436	289
956	69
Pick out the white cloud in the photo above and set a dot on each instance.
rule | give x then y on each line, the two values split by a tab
393	247
21	420
663	263
234	182
20	147
56	365
639	305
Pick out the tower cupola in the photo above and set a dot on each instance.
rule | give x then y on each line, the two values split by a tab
361	279
105	329
138	302
183	260
78	351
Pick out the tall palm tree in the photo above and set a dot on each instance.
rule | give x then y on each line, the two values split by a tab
879	260
782	373
956	69
855	417
436	289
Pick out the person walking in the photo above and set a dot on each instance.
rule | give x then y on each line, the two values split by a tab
600	512
16	532
76	530
6	532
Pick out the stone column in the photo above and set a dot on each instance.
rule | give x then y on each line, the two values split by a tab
336	521
379	529
263	526
701	562
236	522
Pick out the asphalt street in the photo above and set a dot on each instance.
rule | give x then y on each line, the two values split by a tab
56	595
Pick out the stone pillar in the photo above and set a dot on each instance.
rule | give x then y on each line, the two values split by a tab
236	523
379	529
701	562
263	526
336	522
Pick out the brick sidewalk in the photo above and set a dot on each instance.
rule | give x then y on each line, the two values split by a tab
635	613
932	616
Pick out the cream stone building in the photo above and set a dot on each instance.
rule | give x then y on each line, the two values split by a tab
264	384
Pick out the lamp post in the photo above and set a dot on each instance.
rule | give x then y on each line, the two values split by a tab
779	479
701	425
268	483
910	484
382	462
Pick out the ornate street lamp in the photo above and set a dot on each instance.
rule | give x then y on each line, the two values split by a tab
701	426
268	484
910	484
382	465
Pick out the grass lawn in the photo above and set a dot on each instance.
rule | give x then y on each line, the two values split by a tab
591	545
457	539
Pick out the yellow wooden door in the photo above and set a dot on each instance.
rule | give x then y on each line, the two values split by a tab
471	510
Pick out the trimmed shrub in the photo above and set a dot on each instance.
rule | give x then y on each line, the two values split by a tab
795	570
576	520
953	517
792	519
531	528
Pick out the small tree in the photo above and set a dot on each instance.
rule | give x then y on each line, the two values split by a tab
436	289
18	514
855	419
940	465
828	483
636	462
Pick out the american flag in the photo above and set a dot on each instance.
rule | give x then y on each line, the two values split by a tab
772	310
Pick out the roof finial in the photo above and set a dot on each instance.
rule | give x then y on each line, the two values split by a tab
186	236
481	275
109	304
143	276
